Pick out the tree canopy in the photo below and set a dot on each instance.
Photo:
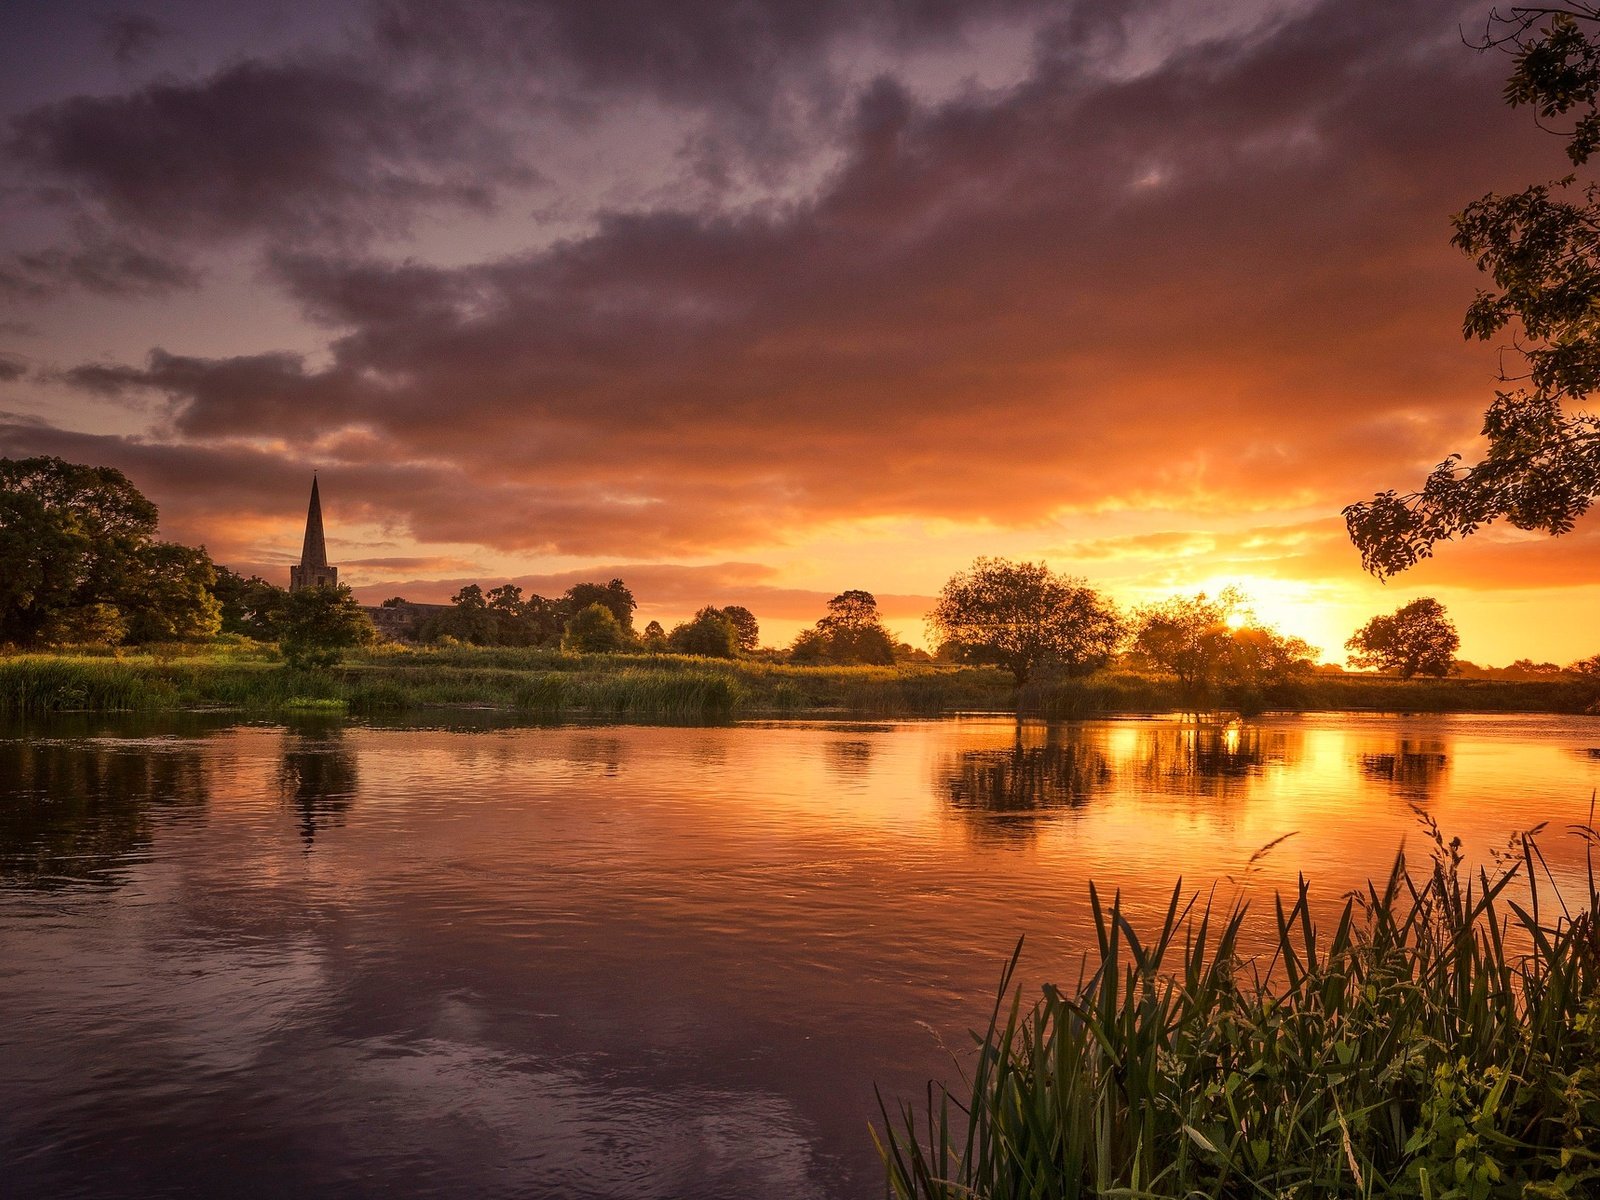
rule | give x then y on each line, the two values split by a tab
82	561
1024	616
850	632
1209	642
320	623
1541	249
1416	639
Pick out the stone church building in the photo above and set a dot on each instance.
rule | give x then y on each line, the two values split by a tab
397	622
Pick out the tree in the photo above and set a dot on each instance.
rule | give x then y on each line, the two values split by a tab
1541	248
320	623
1024	616
594	630
169	595
850	633
1416	639
655	637
614	596
744	625
73	537
1210	642
710	634
90	625
251	607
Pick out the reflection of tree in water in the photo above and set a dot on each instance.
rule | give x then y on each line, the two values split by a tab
1211	760
73	810
318	777
1413	769
1001	784
850	756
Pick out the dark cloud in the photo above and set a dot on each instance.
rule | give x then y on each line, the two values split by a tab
131	36
299	149
12	367
96	262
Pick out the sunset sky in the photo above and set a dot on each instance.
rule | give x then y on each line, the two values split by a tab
755	302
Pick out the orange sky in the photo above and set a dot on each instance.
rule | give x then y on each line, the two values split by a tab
752	304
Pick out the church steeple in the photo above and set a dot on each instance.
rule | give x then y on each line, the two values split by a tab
313	570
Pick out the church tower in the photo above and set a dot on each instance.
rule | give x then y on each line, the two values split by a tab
313	570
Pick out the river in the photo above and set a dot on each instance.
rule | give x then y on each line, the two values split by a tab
473	959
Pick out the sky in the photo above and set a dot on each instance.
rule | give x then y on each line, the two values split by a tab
756	302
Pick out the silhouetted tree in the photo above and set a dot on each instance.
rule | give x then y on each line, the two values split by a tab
614	596
1416	639
850	633
744	625
710	633
320	623
169	595
594	630
655	637
1024	616
1216	642
1541	247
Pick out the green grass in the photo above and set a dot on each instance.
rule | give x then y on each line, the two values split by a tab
1441	1041
239	674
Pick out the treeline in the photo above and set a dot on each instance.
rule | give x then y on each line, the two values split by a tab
83	566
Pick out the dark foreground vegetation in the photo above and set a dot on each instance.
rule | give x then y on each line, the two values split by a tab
1441	1042
239	674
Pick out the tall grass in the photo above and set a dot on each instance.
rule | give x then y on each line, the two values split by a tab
1442	1042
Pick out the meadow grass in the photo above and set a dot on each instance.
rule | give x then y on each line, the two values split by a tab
238	674
1441	1042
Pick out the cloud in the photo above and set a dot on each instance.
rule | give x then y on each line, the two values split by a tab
130	37
298	149
99	262
12	367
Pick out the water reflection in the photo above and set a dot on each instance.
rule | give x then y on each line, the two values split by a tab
1063	771
1217	760
77	811
318	777
1414	770
1047	769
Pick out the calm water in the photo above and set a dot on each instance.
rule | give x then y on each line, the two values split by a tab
598	961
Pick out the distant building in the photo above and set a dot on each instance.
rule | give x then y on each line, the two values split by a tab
398	622
313	570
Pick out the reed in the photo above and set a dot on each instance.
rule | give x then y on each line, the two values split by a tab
1442	1042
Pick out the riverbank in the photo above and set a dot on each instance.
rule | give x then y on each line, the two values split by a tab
248	677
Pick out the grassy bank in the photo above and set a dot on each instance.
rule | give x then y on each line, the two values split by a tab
241	675
1409	1052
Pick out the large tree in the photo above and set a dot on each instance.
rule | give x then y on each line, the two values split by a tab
1024	616
709	633
1210	642
76	540
320	623
851	632
1416	639
1541	249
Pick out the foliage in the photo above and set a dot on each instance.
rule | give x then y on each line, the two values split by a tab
169	595
850	633
1210	643
745	627
1416	639
595	630
319	624
1442	1040
251	607
1024	616
1541	248
654	638
86	625
709	634
614	596
500	617
75	537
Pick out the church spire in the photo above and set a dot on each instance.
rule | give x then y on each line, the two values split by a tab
314	554
313	570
